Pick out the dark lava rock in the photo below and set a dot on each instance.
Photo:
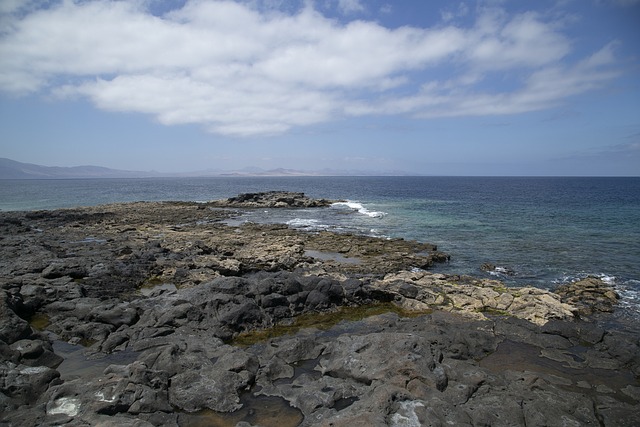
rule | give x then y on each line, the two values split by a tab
22	384
12	327
204	283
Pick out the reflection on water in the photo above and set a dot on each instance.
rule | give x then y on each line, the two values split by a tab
526	357
76	364
332	256
156	288
39	321
265	411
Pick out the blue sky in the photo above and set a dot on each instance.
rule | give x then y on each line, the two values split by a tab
485	87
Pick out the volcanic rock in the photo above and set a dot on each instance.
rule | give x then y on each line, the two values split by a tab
172	286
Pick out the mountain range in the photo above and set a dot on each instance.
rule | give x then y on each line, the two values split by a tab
11	169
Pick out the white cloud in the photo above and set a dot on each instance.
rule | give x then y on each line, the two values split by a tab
350	6
543	89
521	41
450	14
240	70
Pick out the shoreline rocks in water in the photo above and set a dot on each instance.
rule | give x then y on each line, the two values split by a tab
590	295
272	199
473	351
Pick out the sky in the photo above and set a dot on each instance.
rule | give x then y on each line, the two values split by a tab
483	87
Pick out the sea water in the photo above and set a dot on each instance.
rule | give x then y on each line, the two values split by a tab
536	231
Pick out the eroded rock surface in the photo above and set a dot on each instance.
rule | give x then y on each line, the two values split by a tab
171	285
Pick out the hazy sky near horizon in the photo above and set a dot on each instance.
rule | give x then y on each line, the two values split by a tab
484	87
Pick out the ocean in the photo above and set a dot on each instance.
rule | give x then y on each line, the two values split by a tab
539	231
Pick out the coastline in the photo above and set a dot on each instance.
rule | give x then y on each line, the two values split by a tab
82	270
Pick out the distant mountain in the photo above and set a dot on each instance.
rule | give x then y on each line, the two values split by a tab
271	172
10	169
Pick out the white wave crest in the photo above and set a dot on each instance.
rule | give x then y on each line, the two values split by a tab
502	271
629	300
313	224
569	278
609	280
360	209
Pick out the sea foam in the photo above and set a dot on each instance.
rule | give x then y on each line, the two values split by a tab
359	208
308	224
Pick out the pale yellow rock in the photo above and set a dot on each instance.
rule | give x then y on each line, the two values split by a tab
475	296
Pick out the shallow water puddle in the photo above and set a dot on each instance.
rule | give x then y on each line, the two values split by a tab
90	239
39	321
149	288
332	256
303	367
77	365
265	411
324	321
515	356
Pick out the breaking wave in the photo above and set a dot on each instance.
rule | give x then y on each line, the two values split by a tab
306	224
360	209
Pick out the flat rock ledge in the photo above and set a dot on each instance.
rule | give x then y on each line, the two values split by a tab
152	297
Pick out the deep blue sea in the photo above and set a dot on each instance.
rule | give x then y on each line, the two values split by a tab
538	231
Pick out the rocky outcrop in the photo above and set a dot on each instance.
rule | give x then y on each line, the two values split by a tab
272	199
474	297
589	295
173	287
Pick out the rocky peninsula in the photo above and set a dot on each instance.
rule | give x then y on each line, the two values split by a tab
170	314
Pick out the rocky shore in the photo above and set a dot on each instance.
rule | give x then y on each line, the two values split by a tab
167	314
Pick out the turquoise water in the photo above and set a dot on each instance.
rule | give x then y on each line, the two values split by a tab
544	231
